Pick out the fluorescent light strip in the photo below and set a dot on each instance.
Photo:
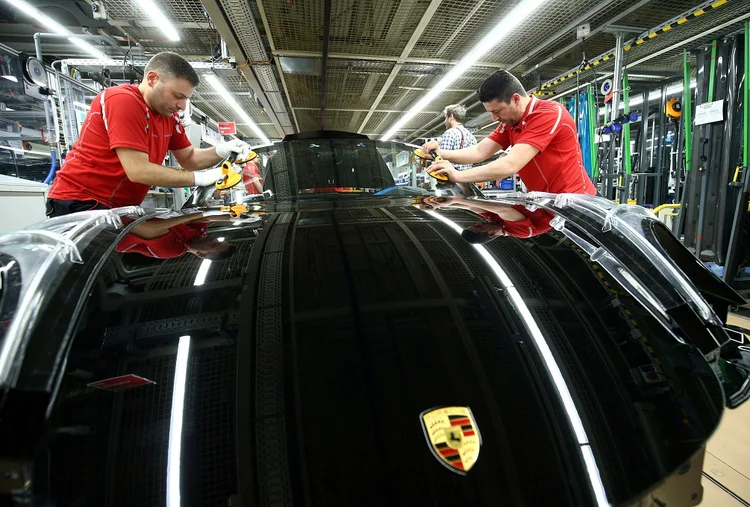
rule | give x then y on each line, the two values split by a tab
152	10
200	278
502	29
175	425
549	361
214	81
57	28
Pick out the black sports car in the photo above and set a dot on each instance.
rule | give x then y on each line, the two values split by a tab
344	329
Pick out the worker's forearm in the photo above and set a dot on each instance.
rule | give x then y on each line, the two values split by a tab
202	159
466	156
158	175
157	227
504	211
496	170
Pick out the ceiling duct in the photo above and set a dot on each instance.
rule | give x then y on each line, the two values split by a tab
252	59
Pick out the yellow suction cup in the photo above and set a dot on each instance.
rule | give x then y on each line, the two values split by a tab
229	178
251	155
441	177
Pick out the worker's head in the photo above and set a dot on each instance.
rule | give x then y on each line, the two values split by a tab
455	114
482	232
168	82
214	249
504	97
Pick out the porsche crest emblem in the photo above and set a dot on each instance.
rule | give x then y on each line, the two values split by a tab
453	437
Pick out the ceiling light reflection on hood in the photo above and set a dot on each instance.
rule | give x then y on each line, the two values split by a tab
200	278
549	360
175	426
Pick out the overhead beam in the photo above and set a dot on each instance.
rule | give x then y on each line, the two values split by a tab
424	22
353	110
378	58
216	13
324	66
272	44
575	43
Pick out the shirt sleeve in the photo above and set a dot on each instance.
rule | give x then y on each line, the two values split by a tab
541	128
500	136
125	121
179	139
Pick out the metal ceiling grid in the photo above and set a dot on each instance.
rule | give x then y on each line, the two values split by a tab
304	89
240	18
547	20
295	26
457	26
193	41
374	28
373	122
177	11
352	90
308	120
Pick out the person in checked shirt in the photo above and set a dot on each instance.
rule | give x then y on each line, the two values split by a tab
457	137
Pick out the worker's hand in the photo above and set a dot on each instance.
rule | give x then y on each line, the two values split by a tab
226	148
428	147
431	203
207	177
443	167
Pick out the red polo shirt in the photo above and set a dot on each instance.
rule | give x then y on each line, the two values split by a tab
118	118
535	223
558	167
172	244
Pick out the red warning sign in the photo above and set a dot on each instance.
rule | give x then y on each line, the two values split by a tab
119	383
227	128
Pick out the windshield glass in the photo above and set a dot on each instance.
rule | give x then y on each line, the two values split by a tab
295	169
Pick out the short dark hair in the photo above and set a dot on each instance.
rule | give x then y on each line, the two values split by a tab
475	237
220	255
500	86
173	65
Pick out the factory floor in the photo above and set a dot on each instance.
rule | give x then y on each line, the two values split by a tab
727	458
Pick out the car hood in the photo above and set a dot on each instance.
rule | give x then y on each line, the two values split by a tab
313	367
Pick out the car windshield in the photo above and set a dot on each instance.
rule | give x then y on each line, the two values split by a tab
359	167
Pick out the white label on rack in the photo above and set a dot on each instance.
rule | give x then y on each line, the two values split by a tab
710	112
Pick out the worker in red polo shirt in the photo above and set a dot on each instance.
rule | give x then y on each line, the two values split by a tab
499	219
541	135
167	238
127	132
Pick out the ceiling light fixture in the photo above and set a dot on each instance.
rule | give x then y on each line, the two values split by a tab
152	10
502	29
57	28
216	84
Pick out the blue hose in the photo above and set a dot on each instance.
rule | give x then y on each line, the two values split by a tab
52	169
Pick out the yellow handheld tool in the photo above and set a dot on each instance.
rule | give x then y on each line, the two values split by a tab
418	152
229	178
235	211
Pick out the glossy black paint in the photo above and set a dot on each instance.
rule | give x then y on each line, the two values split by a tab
336	323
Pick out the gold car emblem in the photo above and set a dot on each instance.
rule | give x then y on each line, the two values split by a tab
453	437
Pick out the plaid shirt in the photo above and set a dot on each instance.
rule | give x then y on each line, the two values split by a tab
458	138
